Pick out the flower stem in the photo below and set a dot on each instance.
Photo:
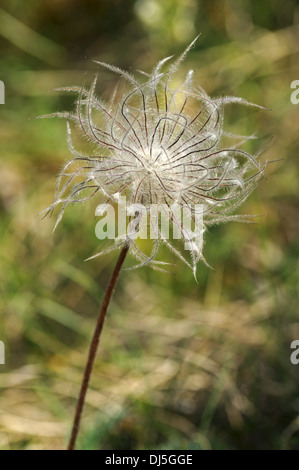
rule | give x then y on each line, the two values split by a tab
94	345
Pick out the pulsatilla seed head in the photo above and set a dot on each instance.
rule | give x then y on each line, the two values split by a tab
158	143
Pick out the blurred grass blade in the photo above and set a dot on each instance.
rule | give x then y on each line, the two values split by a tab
63	315
25	38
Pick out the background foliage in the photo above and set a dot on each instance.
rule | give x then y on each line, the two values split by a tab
181	365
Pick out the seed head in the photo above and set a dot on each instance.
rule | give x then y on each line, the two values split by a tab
158	143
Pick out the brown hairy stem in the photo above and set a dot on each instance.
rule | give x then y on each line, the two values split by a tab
94	345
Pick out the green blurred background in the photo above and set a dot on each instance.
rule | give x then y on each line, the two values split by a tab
181	365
